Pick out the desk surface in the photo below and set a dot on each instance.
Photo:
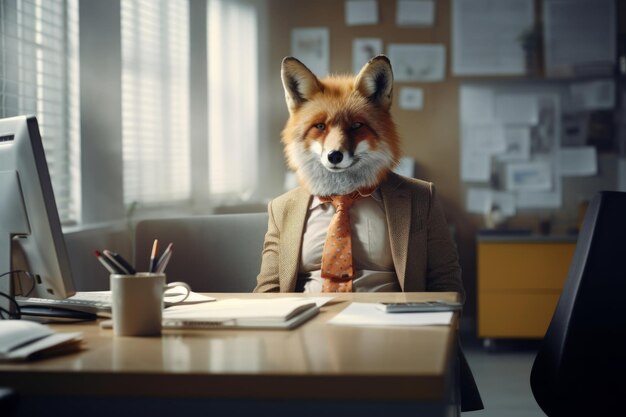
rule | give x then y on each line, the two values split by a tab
314	361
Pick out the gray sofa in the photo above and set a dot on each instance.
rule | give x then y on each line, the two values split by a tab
215	253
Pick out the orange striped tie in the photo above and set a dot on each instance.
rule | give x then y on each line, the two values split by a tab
337	268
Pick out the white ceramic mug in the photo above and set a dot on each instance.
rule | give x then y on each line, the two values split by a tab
137	302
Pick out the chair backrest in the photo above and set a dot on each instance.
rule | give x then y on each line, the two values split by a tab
580	368
216	253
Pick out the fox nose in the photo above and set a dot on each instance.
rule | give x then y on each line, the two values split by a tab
335	157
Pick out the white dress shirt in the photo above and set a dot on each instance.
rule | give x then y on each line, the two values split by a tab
371	250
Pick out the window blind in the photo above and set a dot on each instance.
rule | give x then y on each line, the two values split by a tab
155	101
39	75
233	98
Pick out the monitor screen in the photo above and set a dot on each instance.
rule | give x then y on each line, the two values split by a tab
31	238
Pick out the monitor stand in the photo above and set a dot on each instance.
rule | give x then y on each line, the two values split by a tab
13	222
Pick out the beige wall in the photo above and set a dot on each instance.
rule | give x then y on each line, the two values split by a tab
430	135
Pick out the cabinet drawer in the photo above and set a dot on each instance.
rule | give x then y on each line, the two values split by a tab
515	315
523	266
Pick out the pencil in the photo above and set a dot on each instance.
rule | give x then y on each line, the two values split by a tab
165	256
163	262
153	256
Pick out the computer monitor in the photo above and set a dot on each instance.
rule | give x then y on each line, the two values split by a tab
31	238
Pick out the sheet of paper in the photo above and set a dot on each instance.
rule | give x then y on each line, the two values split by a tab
411	98
479	200
517	139
593	95
478	144
579	161
361	12
517	109
487	138
476	105
418	62
364	49
539	200
367	314
311	46
415	12
484	200
475	166
485	36
579	36
528	176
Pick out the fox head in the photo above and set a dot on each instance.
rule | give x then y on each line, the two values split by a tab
340	136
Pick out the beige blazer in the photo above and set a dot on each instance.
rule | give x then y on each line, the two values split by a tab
424	254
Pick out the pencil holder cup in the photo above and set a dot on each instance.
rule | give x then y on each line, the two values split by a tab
137	302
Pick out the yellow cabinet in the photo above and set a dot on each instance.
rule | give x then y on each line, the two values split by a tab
519	283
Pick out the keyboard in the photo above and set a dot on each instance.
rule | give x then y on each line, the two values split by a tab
99	302
95	302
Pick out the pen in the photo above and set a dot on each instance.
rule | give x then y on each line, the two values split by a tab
163	262
164	258
105	263
120	260
108	255
153	256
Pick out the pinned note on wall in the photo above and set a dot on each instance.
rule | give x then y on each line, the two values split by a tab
415	12
411	98
361	12
510	143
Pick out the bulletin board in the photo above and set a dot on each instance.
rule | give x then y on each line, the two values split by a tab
432	132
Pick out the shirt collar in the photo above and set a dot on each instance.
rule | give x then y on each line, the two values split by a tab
316	202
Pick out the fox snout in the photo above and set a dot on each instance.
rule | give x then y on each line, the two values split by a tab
336	160
336	151
333	159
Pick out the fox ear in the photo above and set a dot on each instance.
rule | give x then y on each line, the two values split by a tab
299	82
375	81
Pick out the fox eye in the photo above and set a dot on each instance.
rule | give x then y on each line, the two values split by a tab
320	126
356	125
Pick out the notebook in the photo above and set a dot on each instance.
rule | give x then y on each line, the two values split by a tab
276	313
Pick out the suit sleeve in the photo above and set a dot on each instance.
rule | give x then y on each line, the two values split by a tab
443	269
267	280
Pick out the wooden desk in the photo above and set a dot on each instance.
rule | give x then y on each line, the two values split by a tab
409	368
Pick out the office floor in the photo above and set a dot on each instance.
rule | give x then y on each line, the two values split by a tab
503	377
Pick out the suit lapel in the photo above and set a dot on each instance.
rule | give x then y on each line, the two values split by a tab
396	200
296	210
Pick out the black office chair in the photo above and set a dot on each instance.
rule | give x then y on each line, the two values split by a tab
580	368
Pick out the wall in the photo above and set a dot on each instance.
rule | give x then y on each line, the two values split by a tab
430	136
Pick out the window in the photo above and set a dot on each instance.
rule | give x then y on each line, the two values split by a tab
39	75
233	98
155	101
